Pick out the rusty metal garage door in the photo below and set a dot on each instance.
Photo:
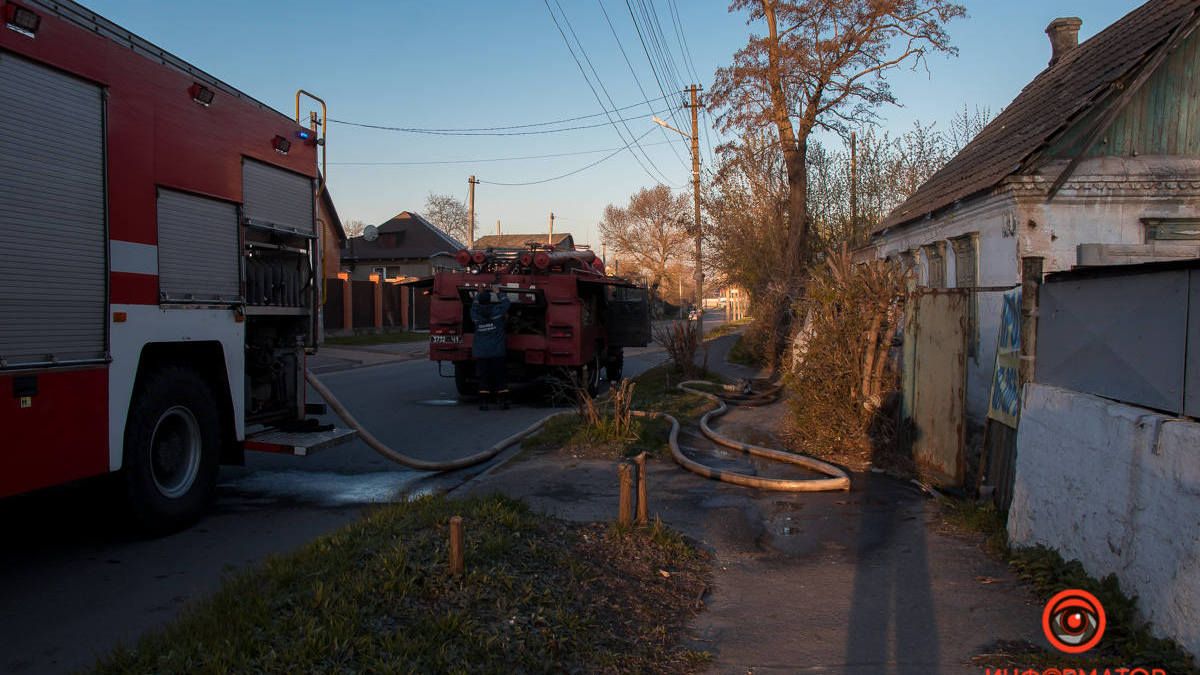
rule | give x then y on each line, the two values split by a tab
935	382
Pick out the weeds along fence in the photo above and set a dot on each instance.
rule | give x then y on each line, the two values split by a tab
841	372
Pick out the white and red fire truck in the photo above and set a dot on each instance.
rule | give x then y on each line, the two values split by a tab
159	255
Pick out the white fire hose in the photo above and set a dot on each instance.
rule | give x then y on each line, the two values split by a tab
838	479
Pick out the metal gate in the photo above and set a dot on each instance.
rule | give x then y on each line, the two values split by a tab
934	381
53	277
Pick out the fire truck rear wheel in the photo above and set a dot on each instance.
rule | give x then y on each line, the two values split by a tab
172	449
464	378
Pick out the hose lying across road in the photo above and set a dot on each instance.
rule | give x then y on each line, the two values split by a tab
838	479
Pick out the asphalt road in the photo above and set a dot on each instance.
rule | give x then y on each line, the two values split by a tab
75	582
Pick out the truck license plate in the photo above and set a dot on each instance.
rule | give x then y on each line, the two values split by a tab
453	339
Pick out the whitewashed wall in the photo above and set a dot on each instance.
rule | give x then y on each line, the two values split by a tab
1116	487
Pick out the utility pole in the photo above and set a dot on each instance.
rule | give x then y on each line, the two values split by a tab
854	184
471	183
695	106
550	239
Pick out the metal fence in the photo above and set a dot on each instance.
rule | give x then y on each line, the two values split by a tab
1130	333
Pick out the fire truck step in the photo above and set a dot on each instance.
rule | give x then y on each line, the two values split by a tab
298	443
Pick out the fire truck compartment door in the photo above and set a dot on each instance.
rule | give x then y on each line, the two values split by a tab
276	198
197	248
52	239
628	317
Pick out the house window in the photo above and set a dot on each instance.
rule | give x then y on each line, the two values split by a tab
1171	229
935	263
966	275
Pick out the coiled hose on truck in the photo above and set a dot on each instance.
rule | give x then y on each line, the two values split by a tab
838	479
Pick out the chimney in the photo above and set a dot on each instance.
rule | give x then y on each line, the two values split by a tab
1064	36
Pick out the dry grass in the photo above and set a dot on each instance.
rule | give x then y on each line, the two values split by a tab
683	342
841	376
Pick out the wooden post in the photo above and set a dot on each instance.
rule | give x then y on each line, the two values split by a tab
625	511
643	516
456	546
1031	285
377	279
347	302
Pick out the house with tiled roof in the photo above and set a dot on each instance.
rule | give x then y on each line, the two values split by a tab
1097	161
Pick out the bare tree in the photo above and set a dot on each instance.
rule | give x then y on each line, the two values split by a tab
449	214
821	65
354	228
651	232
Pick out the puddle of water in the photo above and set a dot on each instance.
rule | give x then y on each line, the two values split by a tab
439	402
327	489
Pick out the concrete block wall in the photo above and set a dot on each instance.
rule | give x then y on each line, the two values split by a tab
1116	487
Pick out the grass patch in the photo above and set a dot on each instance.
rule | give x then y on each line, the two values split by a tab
539	595
744	353
1127	640
726	328
657	391
376	338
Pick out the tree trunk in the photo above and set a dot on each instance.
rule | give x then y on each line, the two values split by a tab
794	157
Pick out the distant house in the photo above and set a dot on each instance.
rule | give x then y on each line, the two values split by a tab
1096	161
408	245
561	240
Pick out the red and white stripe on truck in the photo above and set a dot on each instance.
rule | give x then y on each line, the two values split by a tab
128	184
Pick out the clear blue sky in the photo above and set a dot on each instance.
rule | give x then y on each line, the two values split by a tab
490	63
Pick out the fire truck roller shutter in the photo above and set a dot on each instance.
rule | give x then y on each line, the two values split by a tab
277	198
197	248
52	236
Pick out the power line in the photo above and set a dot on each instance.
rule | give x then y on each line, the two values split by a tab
631	106
650	60
600	81
493	159
572	173
433	132
594	93
637	79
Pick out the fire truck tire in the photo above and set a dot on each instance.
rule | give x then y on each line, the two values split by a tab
615	367
172	450
590	375
464	378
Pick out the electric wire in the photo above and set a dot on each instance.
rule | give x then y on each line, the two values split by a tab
415	130
662	178
572	173
631	106
653	69
495	159
638	81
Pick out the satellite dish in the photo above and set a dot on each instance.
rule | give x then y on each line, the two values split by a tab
370	233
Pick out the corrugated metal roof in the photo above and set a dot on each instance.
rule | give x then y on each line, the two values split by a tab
1050	104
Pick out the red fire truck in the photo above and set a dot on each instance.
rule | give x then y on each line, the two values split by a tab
567	318
159	260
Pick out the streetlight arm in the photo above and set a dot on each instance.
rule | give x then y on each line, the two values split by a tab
663	124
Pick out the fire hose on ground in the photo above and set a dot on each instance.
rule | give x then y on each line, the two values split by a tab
838	480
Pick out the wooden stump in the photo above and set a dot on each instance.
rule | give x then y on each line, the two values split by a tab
456	546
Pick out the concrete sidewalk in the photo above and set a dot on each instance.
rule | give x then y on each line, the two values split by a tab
867	581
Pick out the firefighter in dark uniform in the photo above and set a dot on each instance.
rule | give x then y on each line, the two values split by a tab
489	348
